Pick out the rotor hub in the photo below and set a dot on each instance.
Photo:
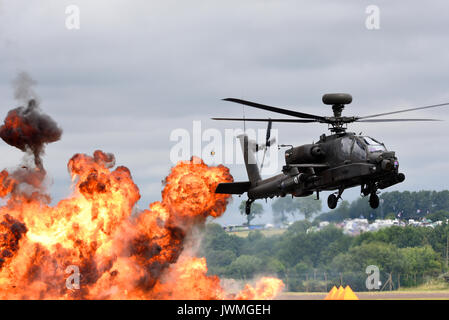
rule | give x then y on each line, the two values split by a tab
337	108
338	101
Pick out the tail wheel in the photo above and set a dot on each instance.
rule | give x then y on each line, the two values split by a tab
332	201
374	201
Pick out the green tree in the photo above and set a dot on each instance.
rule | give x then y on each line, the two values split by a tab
256	244
297	276
256	210
218	260
315	249
289	205
386	256
220	257
215	238
440	215
298	227
308	206
244	267
274	266
281	207
390	216
399	236
301	268
421	259
438	238
440	200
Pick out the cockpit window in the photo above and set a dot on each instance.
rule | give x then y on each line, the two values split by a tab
346	144
358	152
373	145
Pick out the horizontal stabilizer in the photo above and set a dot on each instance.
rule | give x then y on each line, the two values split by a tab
233	187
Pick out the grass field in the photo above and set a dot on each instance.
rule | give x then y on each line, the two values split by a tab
267	233
431	286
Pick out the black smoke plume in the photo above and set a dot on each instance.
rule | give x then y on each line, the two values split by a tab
27	128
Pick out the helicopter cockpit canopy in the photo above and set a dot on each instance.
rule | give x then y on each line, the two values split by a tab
358	148
372	144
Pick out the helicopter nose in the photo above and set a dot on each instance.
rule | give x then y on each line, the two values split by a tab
389	162
385	160
380	157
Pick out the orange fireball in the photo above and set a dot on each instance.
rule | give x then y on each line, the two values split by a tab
120	254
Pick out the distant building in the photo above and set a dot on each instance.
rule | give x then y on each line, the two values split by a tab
354	227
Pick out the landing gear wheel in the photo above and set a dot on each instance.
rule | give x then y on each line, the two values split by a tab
374	201
332	201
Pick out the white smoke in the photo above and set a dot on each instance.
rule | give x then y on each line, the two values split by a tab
23	87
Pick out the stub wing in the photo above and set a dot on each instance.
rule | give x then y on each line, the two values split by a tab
233	187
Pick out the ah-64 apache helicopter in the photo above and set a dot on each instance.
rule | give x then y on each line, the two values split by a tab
338	161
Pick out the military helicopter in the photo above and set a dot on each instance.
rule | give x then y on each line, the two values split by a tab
337	161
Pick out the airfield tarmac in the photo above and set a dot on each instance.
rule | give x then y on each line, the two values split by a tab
386	295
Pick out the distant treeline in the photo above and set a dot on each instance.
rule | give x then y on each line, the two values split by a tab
404	205
315	261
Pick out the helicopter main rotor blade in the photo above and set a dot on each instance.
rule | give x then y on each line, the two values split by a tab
275	109
310	121
405	110
396	120
267	120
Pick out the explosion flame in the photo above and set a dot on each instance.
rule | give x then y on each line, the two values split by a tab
120	253
29	130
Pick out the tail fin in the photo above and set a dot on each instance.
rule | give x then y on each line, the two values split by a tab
249	149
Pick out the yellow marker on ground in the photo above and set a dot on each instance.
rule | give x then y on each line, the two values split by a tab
349	294
331	294
341	294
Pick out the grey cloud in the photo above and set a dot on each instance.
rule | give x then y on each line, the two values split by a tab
135	71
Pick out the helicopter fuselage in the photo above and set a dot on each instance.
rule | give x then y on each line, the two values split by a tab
336	162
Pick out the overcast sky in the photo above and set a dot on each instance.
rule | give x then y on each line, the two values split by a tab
137	70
